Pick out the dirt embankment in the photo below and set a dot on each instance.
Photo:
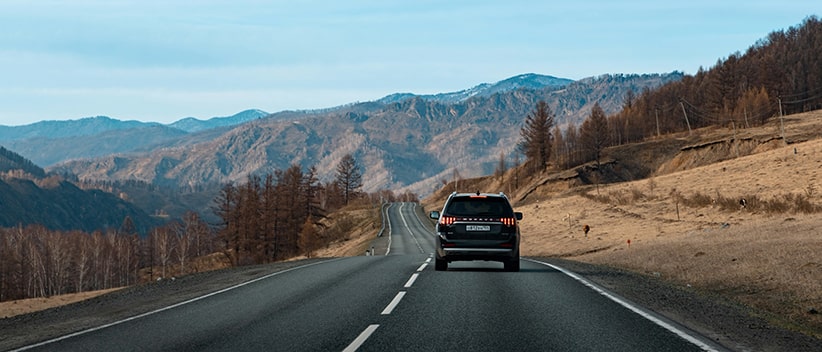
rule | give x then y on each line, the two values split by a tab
730	213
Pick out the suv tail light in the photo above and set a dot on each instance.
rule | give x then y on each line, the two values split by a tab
508	221
447	220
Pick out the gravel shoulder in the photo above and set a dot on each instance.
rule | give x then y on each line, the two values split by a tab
733	326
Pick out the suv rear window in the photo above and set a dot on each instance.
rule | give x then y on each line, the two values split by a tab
479	206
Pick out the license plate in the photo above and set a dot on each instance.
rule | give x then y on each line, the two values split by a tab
477	227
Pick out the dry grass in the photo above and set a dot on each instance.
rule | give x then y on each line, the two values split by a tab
356	228
12	308
688	227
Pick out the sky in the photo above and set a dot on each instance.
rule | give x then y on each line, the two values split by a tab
162	61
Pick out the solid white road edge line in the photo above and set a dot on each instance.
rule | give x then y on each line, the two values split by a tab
394	302
402	217
388	250
195	299
631	307
411	280
419	221
361	339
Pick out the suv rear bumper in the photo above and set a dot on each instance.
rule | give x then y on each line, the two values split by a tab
464	254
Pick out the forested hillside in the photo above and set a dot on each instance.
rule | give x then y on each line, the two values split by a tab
11	162
30	196
780	74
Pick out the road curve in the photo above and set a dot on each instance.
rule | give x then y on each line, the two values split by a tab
396	302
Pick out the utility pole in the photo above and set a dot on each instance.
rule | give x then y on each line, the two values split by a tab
781	121
686	117
657	122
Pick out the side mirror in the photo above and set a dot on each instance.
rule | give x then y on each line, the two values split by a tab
434	215
518	215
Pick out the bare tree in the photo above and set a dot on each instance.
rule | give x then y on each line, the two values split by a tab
310	189
560	149
164	248
56	261
183	245
271	222
572	145
501	167
628	100
83	262
309	238
250	224
226	209
6	263
291	181
198	233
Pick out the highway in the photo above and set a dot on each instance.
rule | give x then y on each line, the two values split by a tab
392	301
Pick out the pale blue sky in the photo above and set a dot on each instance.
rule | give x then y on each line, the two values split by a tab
165	60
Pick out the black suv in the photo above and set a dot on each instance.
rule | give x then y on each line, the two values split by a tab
477	226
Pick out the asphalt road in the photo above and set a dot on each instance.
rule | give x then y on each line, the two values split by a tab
392	301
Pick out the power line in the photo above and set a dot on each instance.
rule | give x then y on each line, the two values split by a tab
818	96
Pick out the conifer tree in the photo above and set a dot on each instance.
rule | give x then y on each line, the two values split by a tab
594	134
349	177
536	140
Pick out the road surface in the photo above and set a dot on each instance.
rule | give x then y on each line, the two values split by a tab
394	300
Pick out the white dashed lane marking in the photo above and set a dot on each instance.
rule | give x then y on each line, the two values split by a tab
394	303
387	311
361	339
411	280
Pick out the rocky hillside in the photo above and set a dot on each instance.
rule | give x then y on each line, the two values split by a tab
410	144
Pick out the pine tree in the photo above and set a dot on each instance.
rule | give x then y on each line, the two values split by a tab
536	140
349	177
594	134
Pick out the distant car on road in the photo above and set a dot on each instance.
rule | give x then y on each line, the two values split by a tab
477	226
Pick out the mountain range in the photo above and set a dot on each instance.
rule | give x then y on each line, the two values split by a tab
402	141
527	81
